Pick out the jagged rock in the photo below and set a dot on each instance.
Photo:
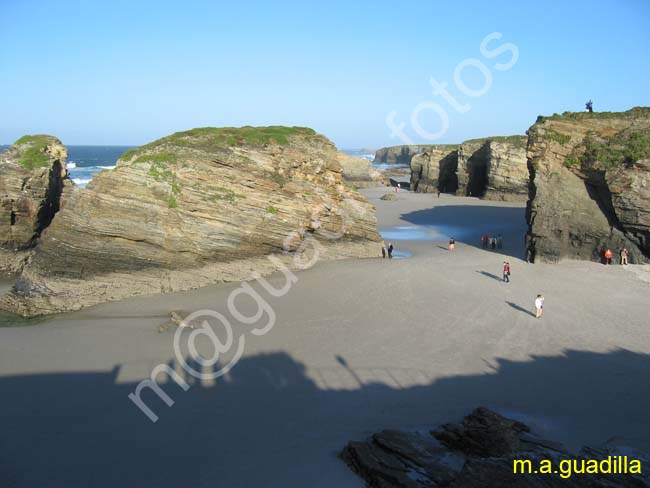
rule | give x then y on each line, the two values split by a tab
359	171
193	208
590	186
478	453
399	154
389	196
32	177
435	169
492	168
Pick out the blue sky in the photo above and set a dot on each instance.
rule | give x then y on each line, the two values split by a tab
128	72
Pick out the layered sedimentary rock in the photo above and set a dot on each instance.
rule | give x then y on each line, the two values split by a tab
193	208
32	177
590	186
493	168
398	154
479	453
359	171
435	169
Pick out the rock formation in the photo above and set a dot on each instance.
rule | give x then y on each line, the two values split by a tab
479	453
32	176
435	169
589	186
359	171
492	168
194	208
398	154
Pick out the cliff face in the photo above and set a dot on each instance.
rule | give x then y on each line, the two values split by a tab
398	154
359	171
492	168
590	186
435	169
32	174
193	208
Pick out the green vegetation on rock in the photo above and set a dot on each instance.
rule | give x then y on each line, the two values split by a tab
633	112
561	139
32	151
213	139
271	209
624	148
519	141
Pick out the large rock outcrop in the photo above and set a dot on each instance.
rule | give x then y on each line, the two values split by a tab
492	168
589	186
480	452
434	169
359	171
194	208
398	154
32	176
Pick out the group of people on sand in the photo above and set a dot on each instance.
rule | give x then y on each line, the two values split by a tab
494	242
623	254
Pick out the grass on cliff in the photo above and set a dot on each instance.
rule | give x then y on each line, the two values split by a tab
632	113
214	138
624	148
518	141
33	156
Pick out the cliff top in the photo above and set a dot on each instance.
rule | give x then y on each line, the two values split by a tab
210	139
517	140
636	112
37	151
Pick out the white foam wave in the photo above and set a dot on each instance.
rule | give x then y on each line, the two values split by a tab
81	182
71	165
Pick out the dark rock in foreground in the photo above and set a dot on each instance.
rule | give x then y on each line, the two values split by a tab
478	453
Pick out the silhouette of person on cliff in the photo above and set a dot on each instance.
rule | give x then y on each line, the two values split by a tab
589	106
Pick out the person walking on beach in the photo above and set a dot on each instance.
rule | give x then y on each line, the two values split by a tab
484	240
608	256
539	306
506	272
452	244
390	251
383	251
438	193
493	242
624	256
500	241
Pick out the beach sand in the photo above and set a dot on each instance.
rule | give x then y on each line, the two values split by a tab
357	346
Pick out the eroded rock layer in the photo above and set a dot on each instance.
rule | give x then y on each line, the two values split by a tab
492	168
32	177
398	154
193	208
590	186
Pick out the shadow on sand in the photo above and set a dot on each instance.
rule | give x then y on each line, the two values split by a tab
270	422
521	309
467	223
490	275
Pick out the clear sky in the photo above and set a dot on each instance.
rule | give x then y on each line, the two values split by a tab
128	72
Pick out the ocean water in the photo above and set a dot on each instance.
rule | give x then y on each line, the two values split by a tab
85	161
360	153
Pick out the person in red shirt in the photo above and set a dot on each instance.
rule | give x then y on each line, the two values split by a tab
484	240
608	256
506	272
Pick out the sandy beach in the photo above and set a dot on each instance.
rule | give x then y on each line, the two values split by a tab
358	346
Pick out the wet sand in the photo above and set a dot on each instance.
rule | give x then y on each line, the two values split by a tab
357	346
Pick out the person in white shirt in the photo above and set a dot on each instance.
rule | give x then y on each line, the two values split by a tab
539	306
